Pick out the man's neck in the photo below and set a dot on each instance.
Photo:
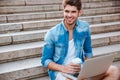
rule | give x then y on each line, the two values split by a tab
69	27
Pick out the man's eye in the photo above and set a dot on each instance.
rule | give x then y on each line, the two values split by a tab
73	11
67	11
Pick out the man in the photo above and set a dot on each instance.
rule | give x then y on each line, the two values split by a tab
68	40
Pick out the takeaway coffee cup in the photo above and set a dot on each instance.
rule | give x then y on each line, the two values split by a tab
76	61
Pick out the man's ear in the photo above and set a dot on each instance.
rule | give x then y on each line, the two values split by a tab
80	12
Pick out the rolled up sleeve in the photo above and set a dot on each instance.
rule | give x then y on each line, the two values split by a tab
88	44
48	49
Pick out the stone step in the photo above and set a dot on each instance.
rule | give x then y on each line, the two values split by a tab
28	2
23	9
42	2
20	37
3	19
54	14
105	39
31	68
110	49
33	49
105	27
20	51
12	2
44	8
38	35
22	69
30	16
46	24
117	63
100	4
38	2
105	10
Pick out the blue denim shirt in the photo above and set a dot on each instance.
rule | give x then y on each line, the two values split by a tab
57	42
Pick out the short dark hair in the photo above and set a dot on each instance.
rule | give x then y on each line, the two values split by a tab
76	3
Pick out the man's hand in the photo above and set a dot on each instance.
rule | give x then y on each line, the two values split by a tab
71	68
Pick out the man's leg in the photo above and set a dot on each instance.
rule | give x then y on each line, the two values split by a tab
112	73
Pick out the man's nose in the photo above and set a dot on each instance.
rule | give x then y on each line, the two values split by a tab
69	14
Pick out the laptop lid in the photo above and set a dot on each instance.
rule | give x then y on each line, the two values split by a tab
93	66
96	65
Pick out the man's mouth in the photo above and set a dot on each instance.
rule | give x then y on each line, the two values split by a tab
69	19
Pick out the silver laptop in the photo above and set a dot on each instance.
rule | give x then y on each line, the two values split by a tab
94	66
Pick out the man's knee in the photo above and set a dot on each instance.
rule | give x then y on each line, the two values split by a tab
112	73
113	70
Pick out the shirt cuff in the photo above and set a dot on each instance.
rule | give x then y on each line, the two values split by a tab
89	55
47	62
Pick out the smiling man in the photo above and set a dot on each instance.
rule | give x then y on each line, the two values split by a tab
66	41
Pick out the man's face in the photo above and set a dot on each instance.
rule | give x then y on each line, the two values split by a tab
71	14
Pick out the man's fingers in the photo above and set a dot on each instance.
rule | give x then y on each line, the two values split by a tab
73	68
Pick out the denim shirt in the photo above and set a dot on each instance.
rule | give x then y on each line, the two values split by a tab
56	44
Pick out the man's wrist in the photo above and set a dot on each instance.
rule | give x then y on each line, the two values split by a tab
61	68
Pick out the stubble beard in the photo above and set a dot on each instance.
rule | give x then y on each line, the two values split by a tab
70	23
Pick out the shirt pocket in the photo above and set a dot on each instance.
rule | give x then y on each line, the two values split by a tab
81	37
59	51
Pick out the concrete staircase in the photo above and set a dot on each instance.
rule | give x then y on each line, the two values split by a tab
23	24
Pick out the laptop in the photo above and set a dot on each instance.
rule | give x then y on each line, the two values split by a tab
93	66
